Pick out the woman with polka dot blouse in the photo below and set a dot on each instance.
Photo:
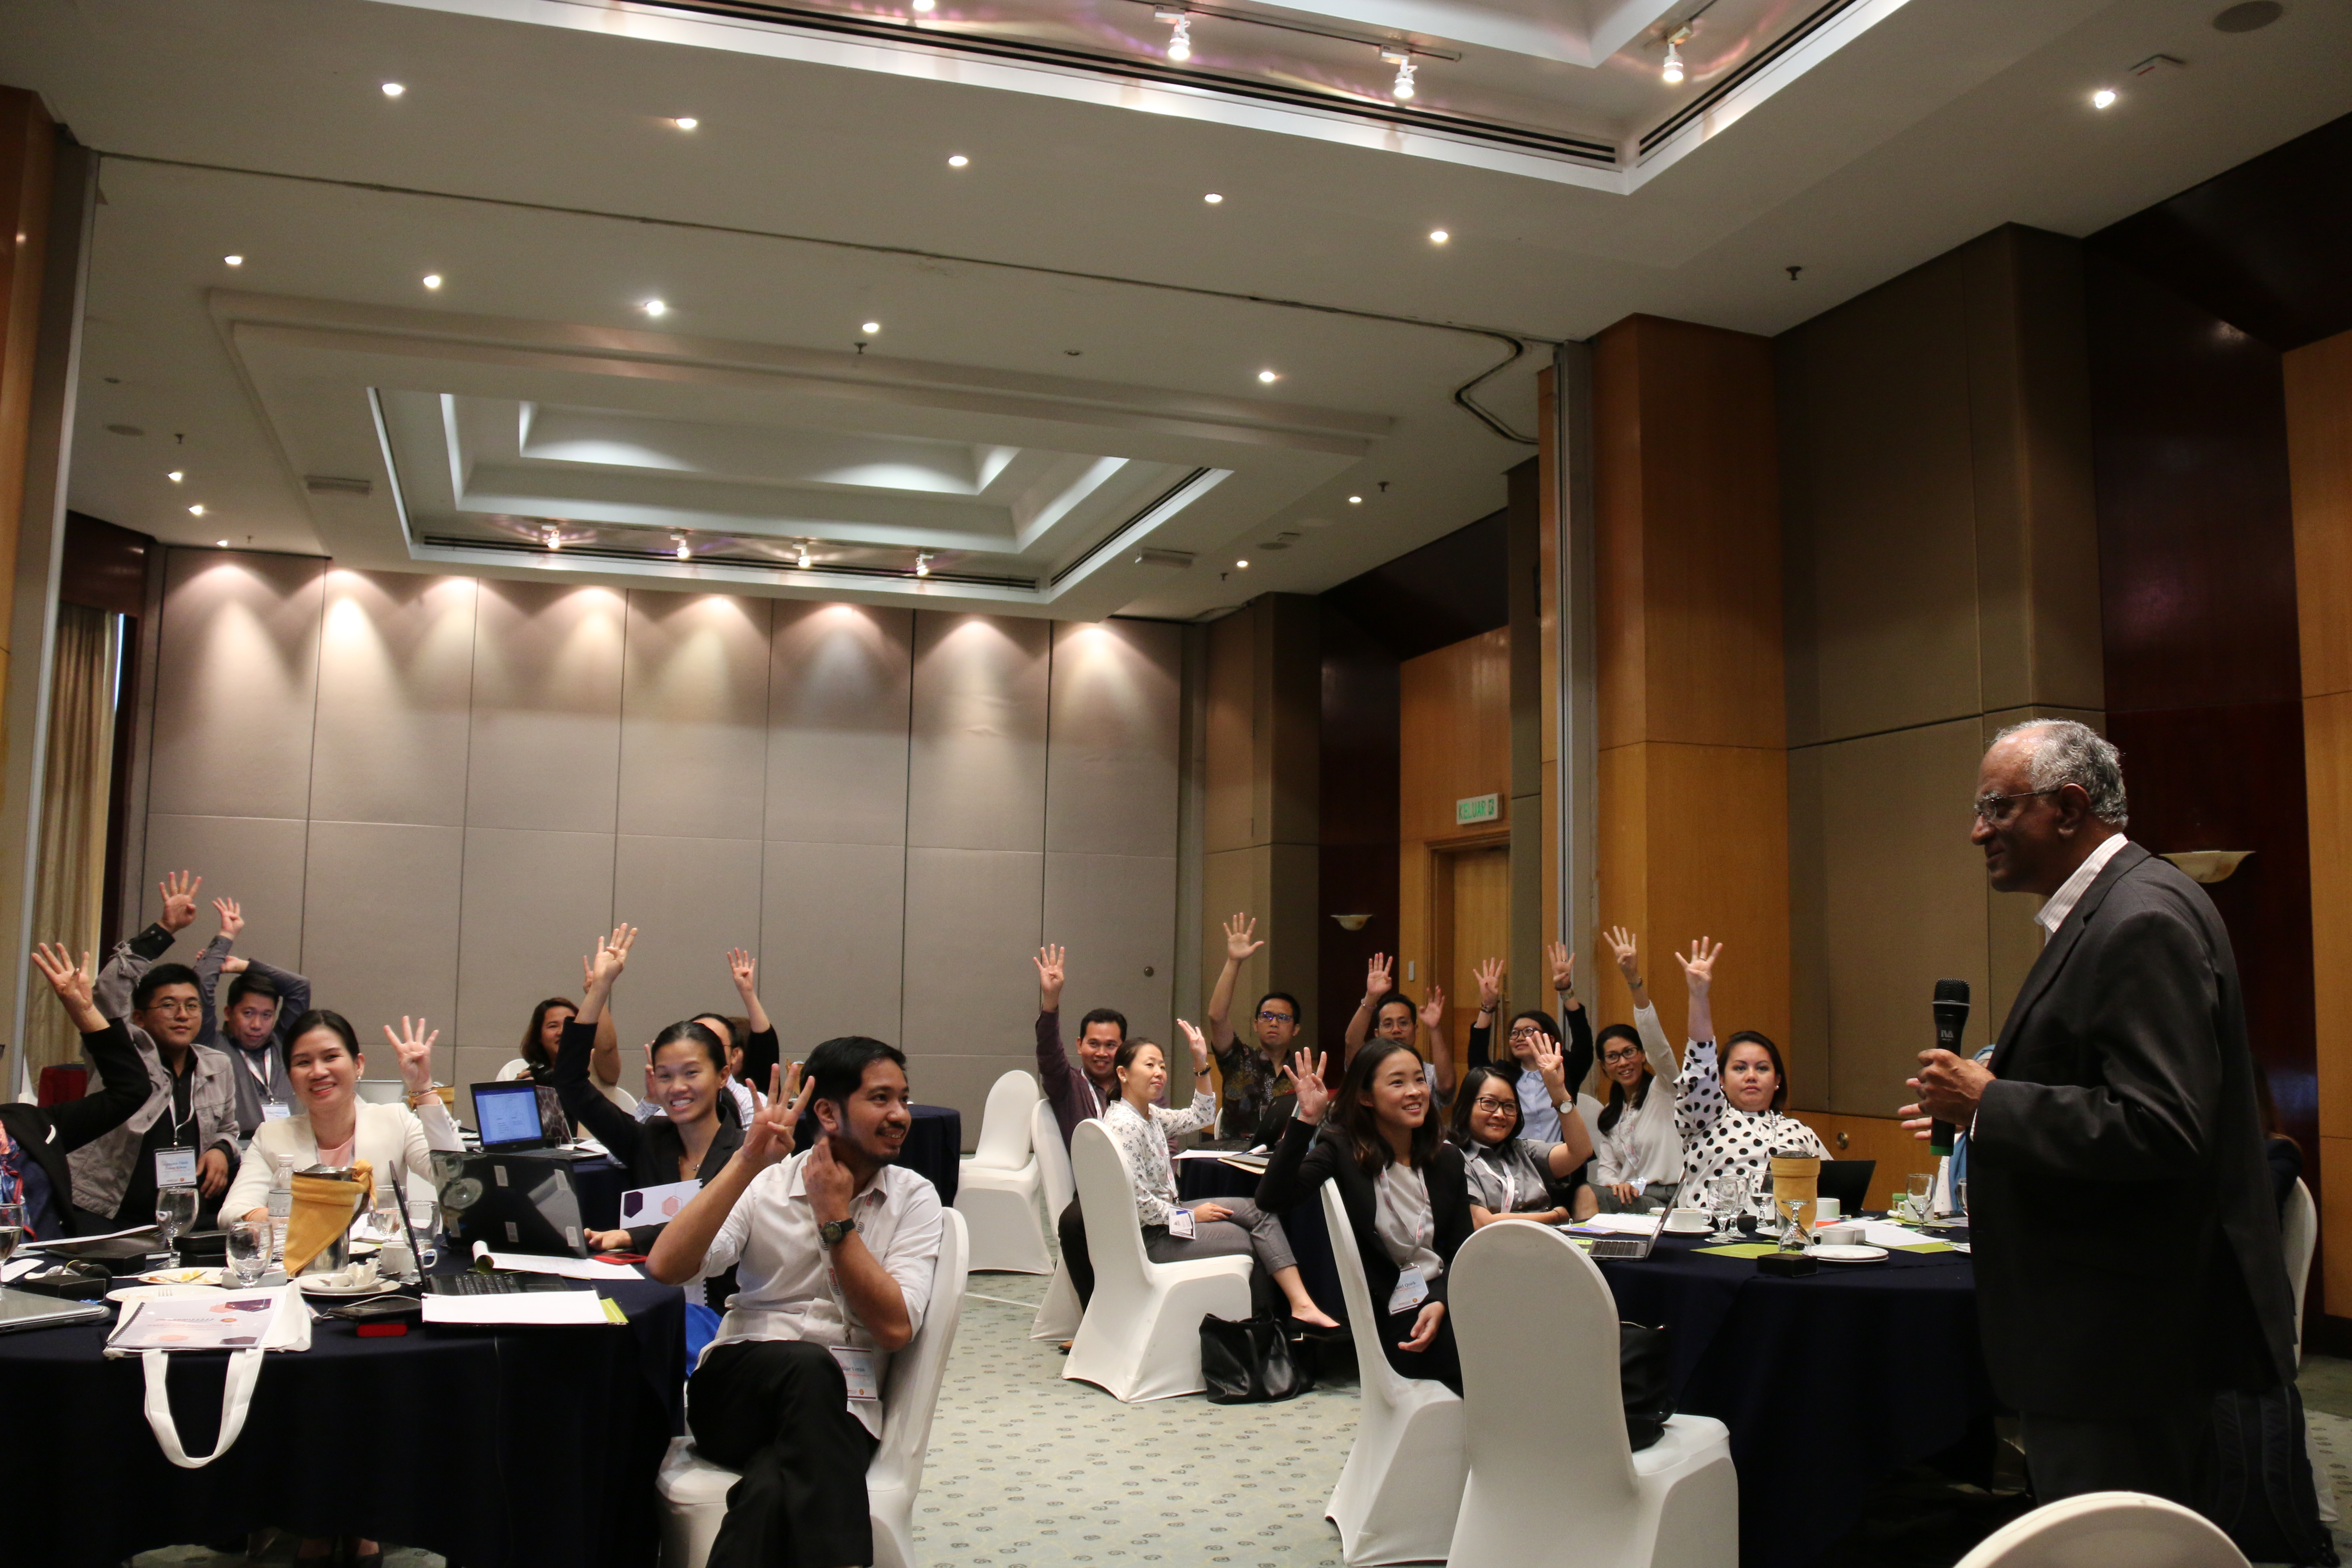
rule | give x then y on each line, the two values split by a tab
1730	1117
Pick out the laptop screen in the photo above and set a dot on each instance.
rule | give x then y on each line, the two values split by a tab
507	1113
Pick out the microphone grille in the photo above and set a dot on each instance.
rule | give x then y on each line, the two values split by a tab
1951	991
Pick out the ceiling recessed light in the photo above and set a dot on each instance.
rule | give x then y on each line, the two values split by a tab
393	90
923	4
1438	237
654	307
433	281
176	476
1212	198
2102	98
1355	501
869	328
1268	377
220	545
234	260
1243	564
196	511
685	122
958	160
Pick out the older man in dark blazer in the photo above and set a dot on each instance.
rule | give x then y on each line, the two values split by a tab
2126	1247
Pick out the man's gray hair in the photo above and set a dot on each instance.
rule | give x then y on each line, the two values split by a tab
2066	752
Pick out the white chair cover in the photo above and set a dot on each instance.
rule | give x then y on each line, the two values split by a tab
999	1187
1057	1316
2129	1529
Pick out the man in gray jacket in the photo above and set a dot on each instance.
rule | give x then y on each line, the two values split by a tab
255	1018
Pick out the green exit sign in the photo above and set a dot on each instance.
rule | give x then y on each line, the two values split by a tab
1478	808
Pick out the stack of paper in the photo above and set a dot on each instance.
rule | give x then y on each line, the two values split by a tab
563	1268
536	1308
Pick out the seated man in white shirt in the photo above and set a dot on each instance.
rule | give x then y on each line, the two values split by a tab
833	1252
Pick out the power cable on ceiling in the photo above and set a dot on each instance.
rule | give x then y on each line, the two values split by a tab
1517	340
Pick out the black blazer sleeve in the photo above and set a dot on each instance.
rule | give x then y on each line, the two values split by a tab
1301	1163
1480	1052
614	1127
1578	1066
760	1054
124	1091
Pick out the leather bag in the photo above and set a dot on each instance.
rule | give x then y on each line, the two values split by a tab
1250	1362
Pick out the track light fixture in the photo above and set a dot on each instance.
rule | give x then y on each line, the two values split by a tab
685	551
1401	58
1180	42
804	555
923	565
1673	73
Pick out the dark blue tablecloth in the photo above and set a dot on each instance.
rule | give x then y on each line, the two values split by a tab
1310	1238
505	1449
1827	1382
934	1146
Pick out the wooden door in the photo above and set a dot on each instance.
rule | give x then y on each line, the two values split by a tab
1472	923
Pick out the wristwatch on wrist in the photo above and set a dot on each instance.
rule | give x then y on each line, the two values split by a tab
833	1230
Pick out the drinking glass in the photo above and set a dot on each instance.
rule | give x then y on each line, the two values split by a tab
15	1228
175	1210
1730	1202
248	1249
1919	1188
384	1218
424	1219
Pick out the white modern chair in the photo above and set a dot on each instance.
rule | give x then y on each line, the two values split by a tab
2298	1236
1058	1315
1141	1335
694	1490
1401	1486
2128	1530
1553	1480
999	1188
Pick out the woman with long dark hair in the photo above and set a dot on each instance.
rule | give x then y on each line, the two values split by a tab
1732	1118
1403	1186
1637	1154
1513	1177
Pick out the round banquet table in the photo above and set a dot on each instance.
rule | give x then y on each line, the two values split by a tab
934	1146
1310	1238
599	1183
497	1449
1828	1382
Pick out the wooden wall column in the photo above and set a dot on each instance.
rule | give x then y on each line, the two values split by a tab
1694	791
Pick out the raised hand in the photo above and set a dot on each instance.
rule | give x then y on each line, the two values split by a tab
1433	1011
232	918
1490	984
1548	1061
413	1046
179	891
232	964
745	971
72	982
612	956
1563	961
1699	969
1379	978
1238	932
768	1137
828	1183
1306	1074
1200	1044
1622	948
1051	973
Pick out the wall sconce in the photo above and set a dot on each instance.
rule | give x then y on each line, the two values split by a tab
2210	866
1352	923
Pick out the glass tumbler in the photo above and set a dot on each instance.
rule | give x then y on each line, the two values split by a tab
248	1249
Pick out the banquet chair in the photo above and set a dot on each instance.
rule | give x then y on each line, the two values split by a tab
1546	1434
1141	1338
2298	1236
2099	1528
1399	1492
694	1490
999	1187
1058	1315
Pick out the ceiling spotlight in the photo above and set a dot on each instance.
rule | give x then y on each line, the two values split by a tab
1438	237
234	260
922	564
1212	198
685	122
1355	501
804	557
870	328
1268	377
393	90
220	545
433	281
555	538
654	307
2102	98
1402	90
1180	42
1673	73
1243	564
176	476
958	161
923	4
196	511
684	549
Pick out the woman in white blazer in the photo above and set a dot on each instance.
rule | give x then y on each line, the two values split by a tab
332	1126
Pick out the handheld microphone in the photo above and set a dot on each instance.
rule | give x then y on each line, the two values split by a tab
1951	1008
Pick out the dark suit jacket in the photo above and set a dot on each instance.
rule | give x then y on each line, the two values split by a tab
2126	1247
652	1149
1302	1162
49	1135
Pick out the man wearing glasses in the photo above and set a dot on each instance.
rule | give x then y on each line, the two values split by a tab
185	1133
2126	1246
1250	1083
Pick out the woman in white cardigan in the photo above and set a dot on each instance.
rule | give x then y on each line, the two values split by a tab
332	1126
1637	1151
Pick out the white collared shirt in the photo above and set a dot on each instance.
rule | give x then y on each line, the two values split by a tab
2052	914
785	1288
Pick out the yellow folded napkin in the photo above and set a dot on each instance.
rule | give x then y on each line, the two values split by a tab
323	1210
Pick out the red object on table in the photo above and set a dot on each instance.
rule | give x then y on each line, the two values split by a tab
382	1330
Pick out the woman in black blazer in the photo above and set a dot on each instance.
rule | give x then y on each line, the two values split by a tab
1403	1186
33	1143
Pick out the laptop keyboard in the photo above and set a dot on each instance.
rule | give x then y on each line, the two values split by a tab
473	1284
1620	1246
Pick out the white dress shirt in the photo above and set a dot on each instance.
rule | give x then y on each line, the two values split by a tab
784	1285
2052	914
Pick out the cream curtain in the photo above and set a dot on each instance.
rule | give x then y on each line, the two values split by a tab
68	882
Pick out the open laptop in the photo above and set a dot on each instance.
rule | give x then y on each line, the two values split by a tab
522	1203
522	1117
1637	1245
1848	1181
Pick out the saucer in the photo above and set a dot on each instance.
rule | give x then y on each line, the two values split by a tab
1839	1254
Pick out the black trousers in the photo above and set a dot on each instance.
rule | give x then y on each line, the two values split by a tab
2152	1453
1072	1228
1441	1363
778	1411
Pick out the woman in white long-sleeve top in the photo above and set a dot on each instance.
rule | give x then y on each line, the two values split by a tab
1730	1117
332	1126
1637	1153
1213	1227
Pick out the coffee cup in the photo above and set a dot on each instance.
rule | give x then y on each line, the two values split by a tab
1849	1235
1825	1210
1689	1222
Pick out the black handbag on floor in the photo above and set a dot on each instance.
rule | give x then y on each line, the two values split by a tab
2257	1483
1250	1362
1641	1379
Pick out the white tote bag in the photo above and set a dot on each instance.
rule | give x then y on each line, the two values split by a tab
246	1324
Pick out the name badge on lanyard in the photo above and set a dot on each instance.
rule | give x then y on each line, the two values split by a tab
858	1372
276	1110
175	1167
1411	1291
1510	1190
1180	1224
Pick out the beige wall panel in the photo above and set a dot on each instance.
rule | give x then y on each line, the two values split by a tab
1230	784
235	684
2319	461
1111	767
372	945
1233	881
976	777
256	860
694	716
396	686
2327	773
1120	911
546	746
963	1082
470	1065
973	932
1879	511
830	928
837	699
1902	904
534	905
691	900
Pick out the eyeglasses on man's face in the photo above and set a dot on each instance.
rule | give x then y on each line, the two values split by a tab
1994	809
1267	1017
178	1008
